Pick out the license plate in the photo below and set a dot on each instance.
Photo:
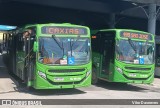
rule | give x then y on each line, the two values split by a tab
132	75
58	79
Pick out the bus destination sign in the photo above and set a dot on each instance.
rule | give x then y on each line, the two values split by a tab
64	30
136	35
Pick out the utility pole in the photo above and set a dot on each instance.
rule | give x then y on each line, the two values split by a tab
152	18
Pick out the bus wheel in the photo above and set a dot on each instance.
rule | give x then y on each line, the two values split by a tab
94	76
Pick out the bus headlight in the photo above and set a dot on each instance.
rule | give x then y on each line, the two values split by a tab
119	70
88	73
43	75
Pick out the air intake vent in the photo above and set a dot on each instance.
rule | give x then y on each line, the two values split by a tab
135	68
65	70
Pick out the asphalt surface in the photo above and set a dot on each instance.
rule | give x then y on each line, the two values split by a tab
10	88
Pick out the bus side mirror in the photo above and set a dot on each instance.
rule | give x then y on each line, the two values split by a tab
35	47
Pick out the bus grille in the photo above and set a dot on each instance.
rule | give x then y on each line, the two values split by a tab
65	83
135	68
65	70
136	78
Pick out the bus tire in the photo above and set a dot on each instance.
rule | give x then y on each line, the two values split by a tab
94	76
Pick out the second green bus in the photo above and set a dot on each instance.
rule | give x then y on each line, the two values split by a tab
122	55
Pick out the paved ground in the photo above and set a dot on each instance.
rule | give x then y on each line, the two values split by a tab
10	89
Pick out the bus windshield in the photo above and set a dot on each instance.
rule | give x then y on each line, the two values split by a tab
136	52
64	50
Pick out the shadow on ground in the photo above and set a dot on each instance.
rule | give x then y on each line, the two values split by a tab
124	86
22	88
3	72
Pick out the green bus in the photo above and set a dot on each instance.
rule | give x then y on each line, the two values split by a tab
51	56
123	55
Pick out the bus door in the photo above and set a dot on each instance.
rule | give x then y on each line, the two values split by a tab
108	41
29	56
19	55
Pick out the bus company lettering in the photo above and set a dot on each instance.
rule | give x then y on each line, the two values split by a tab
135	35
62	31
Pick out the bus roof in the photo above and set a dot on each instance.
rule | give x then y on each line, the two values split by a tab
63	26
95	31
54	24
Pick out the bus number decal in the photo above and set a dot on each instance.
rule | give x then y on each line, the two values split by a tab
136	35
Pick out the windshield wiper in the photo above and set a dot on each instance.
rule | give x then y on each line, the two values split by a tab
146	46
71	44
43	50
76	40
132	45
71	47
61	47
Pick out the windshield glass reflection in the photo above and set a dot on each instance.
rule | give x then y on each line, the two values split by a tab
136	52
64	51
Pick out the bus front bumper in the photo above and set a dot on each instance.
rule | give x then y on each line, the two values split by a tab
41	83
